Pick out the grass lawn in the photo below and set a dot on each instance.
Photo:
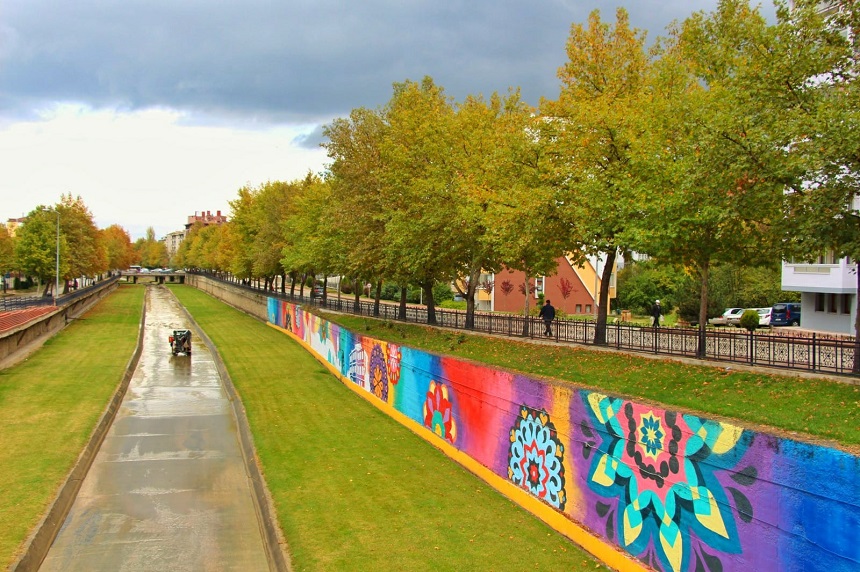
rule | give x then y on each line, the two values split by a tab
50	404
818	409
354	489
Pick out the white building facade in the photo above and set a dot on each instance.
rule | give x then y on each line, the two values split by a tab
828	288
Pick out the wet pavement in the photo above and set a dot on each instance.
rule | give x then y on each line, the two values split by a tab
168	489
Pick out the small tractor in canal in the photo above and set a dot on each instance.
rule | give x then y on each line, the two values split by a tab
180	342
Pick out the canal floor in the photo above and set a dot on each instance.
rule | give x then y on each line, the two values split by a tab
168	489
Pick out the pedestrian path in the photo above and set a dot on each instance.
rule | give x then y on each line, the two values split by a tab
168	489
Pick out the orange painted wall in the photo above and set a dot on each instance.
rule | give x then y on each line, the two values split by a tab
514	301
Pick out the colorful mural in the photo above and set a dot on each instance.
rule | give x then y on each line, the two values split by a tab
677	491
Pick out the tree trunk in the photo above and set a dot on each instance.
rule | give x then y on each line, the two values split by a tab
283	282
377	298
603	299
471	288
704	271
526	309
357	289
401	312
325	288
427	287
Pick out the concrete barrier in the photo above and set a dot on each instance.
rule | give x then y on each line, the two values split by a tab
19	342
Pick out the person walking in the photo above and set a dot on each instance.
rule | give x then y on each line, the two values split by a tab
656	313
547	312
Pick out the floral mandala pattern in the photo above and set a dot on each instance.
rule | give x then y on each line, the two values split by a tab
659	470
536	457
393	363
438	412
378	373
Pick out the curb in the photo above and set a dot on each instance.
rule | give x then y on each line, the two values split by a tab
276	545
40	541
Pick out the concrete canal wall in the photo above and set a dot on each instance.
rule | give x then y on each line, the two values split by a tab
18	342
624	479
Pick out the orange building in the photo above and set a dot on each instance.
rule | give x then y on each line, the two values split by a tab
573	288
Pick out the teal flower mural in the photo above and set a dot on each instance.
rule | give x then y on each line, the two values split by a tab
662	469
535	457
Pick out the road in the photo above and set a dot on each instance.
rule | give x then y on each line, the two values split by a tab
168	488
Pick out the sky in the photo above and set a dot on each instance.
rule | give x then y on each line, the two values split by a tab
154	110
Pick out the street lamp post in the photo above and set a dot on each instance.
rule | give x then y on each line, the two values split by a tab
57	286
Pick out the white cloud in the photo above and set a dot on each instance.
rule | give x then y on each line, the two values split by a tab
142	168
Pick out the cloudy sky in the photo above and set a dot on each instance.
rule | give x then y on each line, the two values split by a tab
152	110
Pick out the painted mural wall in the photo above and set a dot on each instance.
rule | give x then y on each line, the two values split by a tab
676	491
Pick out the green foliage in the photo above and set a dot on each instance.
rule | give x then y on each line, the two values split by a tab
390	291
152	253
36	246
750	320
7	251
442	292
640	283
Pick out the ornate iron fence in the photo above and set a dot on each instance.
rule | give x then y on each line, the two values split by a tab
815	353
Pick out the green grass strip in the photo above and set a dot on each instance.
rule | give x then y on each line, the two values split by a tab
354	489
50	404
819	408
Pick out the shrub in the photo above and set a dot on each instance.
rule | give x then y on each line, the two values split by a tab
441	292
749	320
391	291
345	287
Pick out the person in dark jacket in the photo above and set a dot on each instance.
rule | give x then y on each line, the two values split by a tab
547	312
656	313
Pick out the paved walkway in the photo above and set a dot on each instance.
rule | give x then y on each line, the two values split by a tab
168	490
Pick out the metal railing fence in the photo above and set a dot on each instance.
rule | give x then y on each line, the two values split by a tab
813	353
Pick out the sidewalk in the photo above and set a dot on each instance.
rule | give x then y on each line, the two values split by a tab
168	488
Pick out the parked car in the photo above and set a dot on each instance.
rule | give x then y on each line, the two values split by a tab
731	317
763	316
785	314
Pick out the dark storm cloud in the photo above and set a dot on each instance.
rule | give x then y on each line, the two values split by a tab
268	60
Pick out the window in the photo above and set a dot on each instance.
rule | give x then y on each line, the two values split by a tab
833	303
846	303
588	308
539	285
819	302
828	257
579	308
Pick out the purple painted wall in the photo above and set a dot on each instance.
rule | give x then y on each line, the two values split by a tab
677	491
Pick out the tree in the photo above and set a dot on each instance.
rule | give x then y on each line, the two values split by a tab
7	251
812	77
87	255
588	133
705	163
482	160
151	252
118	247
355	229
36	248
421	220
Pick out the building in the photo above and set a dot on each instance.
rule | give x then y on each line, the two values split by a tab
172	241
574	289
206	218
12	225
828	287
